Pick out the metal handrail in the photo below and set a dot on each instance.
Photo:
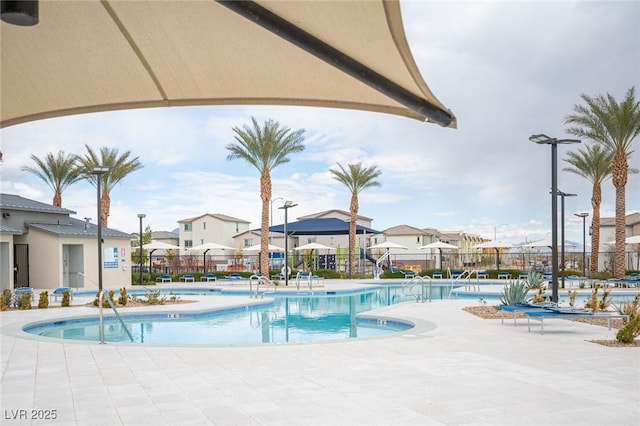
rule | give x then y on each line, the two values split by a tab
411	285
265	281
102	294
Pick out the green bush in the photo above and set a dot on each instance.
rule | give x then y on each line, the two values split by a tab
631	328
123	297
5	300
24	301
43	302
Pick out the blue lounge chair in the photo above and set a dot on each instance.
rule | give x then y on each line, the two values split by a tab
437	274
504	275
164	278
187	278
24	290
483	274
59	292
234	276
208	277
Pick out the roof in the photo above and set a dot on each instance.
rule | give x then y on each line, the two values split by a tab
404	230
77	228
8	230
340	212
219	216
164	235
18	203
630	220
322	226
90	56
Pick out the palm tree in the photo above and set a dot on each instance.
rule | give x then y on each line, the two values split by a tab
59	171
265	147
119	166
356	179
614	125
594	164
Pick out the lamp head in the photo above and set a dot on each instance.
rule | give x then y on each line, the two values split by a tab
540	139
142	215
583	215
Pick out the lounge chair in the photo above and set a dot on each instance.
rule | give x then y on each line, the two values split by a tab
234	276
565	313
187	278
483	274
523	276
437	274
208	277
23	290
504	275
164	278
456	273
409	274
59	292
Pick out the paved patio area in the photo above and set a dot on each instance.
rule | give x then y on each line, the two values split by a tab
466	371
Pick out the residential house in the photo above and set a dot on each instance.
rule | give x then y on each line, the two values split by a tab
608	237
210	228
46	248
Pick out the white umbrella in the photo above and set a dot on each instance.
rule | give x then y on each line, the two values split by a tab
439	245
211	246
256	247
634	239
159	245
314	246
388	245
495	245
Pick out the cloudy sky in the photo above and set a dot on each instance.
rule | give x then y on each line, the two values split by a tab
506	69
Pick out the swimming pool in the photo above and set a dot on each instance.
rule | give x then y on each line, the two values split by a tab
285	319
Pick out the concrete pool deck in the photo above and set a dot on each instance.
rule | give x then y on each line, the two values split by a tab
466	371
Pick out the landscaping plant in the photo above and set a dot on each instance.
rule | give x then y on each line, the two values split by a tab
43	302
631	328
66	299
513	293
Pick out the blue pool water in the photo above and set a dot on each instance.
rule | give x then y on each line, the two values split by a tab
286	319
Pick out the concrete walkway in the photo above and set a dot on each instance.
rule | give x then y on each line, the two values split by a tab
466	371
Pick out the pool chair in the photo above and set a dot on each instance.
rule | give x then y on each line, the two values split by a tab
437	275
208	277
164	278
504	275
59	292
24	290
187	278
483	274
409	274
456	273
234	276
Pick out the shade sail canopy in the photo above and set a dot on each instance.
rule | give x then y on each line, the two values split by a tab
388	245
635	239
159	245
211	246
548	243
314	246
321	226
101	55
439	245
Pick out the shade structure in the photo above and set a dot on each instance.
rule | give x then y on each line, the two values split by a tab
211	246
440	245
102	55
388	245
547	243
321	226
634	239
256	247
314	246
160	245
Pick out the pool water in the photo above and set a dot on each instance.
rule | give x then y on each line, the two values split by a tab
286	319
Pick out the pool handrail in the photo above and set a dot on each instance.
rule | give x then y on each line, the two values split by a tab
105	294
265	281
409	286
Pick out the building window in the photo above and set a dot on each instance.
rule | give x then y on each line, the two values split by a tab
247	242
204	225
188	243
201	241
418	239
187	227
331	241
311	240
238	229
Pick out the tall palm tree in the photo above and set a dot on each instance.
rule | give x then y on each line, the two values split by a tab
265	147
356	178
58	171
594	164
119	166
614	125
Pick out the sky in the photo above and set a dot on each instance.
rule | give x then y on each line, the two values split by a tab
507	70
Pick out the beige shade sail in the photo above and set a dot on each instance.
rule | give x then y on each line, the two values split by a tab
88	56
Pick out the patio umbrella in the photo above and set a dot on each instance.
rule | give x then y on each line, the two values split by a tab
439	245
89	56
158	245
388	245
495	245
256	247
206	247
634	239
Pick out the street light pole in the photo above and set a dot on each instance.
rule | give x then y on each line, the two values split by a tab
141	216
584	241
546	140
271	226
287	205
562	195
98	172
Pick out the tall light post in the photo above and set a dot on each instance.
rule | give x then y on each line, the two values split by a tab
141	216
495	230
98	172
584	216
562	195
286	207
546	140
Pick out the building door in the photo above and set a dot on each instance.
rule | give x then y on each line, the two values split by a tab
21	265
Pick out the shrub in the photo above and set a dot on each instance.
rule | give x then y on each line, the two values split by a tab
43	301
631	328
5	300
154	298
513	293
66	299
534	279
105	302
123	296
598	305
24	302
